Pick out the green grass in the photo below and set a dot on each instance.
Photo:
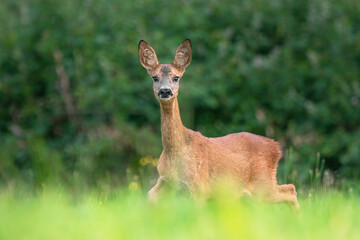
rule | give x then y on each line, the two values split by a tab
56	214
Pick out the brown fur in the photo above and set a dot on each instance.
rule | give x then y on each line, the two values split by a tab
247	160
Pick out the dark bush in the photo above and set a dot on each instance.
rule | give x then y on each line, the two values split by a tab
77	104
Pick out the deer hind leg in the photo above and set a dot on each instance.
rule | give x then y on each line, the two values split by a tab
274	194
286	194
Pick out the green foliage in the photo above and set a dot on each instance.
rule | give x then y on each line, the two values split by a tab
288	70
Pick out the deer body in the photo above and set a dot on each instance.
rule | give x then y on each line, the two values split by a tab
196	162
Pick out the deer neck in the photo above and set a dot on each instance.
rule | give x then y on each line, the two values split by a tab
172	129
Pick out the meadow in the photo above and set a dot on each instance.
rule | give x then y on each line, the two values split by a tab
54	213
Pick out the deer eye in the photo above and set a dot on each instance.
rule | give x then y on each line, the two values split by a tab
155	78
176	78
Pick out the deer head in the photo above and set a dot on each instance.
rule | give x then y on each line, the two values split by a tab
165	77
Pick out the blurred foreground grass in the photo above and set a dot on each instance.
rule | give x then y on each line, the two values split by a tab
57	214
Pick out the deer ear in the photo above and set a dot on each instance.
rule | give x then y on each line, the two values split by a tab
147	56
183	55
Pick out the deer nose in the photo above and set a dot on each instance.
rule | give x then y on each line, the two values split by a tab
165	93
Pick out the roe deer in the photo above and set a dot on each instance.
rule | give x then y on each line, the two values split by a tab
198	162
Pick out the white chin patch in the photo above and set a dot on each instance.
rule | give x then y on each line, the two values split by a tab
164	99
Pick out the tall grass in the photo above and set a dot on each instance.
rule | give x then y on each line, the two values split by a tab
58	214
313	176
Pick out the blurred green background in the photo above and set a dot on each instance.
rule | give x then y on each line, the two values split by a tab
77	107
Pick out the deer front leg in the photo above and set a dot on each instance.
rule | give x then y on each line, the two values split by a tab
153	194
246	193
165	184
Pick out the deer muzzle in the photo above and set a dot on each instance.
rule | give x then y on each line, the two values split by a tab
165	93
